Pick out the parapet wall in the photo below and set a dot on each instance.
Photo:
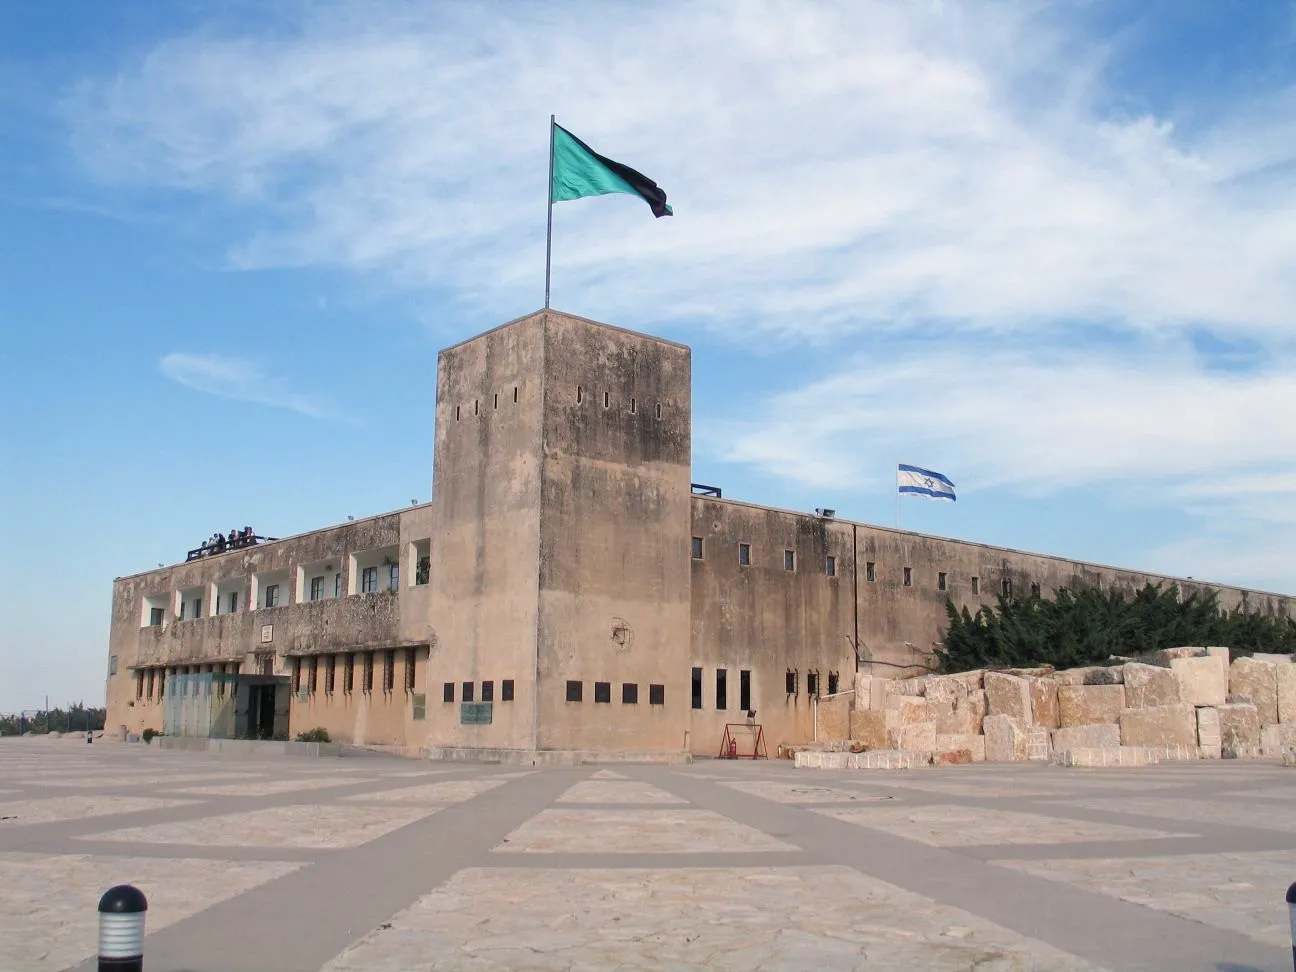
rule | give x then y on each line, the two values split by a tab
1174	704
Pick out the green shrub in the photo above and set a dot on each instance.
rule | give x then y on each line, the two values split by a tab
318	734
148	735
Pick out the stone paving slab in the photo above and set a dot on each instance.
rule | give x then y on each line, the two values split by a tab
635	831
827	918
613	791
1239	892
296	825
1264	815
270	787
783	791
950	825
449	791
16	813
48	917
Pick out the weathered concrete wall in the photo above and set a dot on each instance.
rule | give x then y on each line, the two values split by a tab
486	530
377	717
766	619
613	565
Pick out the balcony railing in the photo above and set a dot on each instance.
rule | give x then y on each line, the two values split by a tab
215	550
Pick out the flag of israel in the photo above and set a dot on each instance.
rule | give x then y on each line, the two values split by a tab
923	482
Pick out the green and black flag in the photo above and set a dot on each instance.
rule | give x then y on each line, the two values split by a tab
579	171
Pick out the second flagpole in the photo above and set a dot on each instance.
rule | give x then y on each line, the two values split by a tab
549	224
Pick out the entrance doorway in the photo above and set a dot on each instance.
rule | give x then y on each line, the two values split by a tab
261	725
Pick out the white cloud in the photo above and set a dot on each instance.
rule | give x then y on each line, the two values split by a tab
834	166
235	378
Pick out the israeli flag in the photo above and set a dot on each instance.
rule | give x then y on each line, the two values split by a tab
923	482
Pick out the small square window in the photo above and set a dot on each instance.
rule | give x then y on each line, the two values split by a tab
272	595
155	617
506	690
908	577
834	683
870	572
790	682
940	581
656	694
575	691
789	560
467	692
744	554
976	585
630	694
447	692
488	692
602	691
830	566
697	548
1035	590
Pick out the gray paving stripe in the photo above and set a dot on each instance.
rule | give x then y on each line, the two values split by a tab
1131	849
569	861
1116	934
653	806
298	922
212	852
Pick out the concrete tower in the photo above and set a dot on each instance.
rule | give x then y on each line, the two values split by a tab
560	562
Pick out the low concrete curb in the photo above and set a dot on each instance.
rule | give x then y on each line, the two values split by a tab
249	747
550	757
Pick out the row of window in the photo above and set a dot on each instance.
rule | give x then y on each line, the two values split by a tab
309	675
478	408
150	683
629	693
477	405
792	683
722	689
469	693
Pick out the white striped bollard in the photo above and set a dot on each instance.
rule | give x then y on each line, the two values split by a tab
1291	913
121	929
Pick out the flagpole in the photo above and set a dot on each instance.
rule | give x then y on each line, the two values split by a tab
549	225
897	489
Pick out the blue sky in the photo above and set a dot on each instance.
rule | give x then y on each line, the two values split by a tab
1045	248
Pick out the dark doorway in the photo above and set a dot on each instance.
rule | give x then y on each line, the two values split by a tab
262	710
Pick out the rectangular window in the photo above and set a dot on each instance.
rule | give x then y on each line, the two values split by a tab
348	674
506	690
467	692
422	571
317	589
139	684
296	675
744	554
447	692
789	560
790	682
1007	587
602	692
233	608
834	683
184	609
155	617
722	689
830	566
656	694
197	607
941	581
410	671
976	585
389	671
812	684
330	665
575	690
337	584
870	571
112	665
697	688
393	577
368	671
697	548
368	580
314	674
152	682
908	577
488	691
1035	590
744	690
630	694
272	595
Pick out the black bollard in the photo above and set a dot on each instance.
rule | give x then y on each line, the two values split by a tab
1291	914
121	929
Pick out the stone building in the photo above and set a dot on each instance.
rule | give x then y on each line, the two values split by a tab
568	587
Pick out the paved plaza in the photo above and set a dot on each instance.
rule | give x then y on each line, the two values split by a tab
374	864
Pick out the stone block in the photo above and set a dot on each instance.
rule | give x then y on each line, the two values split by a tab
973	743
863	690
1101	736
968	715
946	688
1257	681
1039	747
1107	756
1150	685
879	689
832	713
1163	656
1208	733
911	686
888	759
1289	758
1275	739
951	757
1287	694
1090	675
1203	679
1005	739
1086	705
913	710
1008	695
870	728
1159	725
915	737
1271	657
1239	730
1044	702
